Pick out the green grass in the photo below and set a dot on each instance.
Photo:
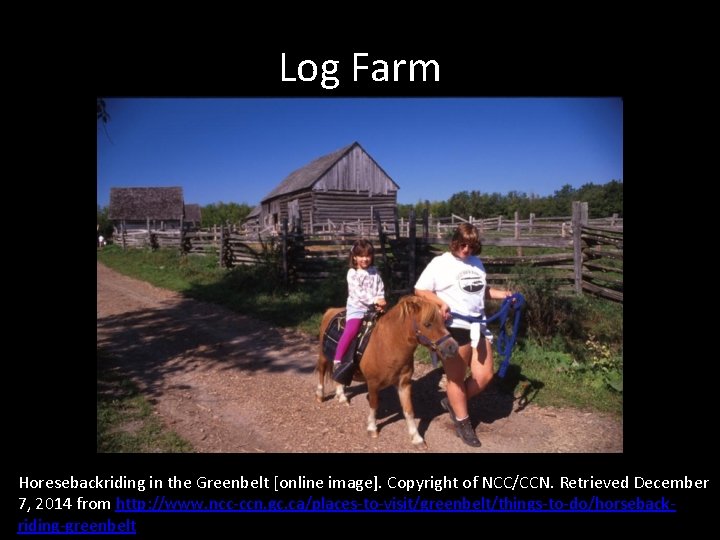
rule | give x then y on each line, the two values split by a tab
562	381
554	378
164	268
574	356
505	251
509	251
125	421
255	290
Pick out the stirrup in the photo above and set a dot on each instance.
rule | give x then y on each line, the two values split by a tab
343	373
464	430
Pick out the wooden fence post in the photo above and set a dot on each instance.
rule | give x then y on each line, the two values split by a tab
517	232
412	234
426	226
284	251
182	236
298	248
579	218
530	222
182	242
396	220
222	246
381	236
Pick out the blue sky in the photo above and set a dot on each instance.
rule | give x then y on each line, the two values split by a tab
239	149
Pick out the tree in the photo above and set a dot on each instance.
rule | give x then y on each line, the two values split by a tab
560	203
224	213
603	201
103	116
102	113
612	201
105	226
404	210
459	204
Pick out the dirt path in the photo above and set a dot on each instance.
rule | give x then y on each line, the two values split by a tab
229	383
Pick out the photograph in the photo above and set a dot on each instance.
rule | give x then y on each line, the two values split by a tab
360	275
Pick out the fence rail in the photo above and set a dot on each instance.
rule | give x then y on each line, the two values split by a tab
590	260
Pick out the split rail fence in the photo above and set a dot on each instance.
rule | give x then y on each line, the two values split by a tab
588	253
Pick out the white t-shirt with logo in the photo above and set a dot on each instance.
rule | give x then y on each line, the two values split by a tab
459	283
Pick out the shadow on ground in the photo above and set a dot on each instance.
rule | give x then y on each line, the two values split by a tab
189	335
502	396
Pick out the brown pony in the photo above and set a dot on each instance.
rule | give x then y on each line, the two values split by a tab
388	358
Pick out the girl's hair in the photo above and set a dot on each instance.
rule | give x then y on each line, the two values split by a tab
466	234
362	247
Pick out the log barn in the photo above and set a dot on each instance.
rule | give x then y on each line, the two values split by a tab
345	186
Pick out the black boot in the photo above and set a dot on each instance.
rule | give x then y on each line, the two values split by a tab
343	372
464	430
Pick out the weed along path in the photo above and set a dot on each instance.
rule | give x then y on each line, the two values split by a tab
229	383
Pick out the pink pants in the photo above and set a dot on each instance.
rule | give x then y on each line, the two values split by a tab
352	327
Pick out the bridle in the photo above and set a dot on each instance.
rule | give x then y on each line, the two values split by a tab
424	340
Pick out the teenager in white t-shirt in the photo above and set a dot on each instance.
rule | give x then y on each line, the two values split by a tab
456	281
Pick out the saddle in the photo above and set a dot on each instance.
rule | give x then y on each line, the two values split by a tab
355	352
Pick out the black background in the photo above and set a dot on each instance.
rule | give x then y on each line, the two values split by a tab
54	421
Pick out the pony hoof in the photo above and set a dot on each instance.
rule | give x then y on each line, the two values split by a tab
318	399
421	445
373	434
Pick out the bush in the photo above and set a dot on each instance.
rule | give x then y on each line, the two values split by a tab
588	329
547	314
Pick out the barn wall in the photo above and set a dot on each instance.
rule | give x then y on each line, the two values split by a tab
305	202
338	206
267	211
356	172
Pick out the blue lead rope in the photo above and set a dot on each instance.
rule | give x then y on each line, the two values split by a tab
505	344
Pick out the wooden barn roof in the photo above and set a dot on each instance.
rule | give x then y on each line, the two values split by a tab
148	202
305	177
192	213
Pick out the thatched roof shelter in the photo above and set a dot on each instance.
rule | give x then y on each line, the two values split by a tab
193	213
138	204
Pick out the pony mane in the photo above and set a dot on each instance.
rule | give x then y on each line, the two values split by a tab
410	305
